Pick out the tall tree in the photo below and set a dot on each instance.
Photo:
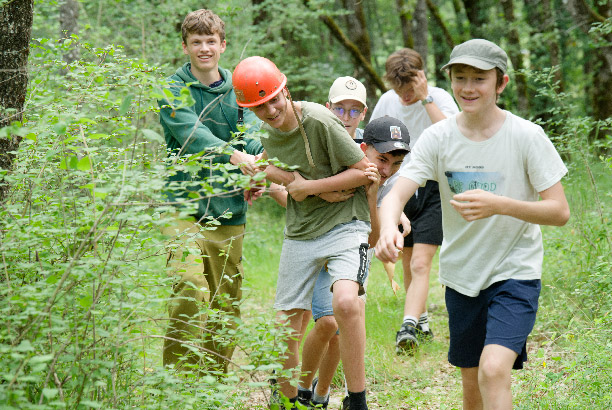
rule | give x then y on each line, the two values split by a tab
69	17
15	31
420	29
585	15
516	56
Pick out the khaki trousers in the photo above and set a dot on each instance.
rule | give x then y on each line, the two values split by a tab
208	268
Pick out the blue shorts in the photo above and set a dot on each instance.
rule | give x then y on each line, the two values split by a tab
322	295
503	314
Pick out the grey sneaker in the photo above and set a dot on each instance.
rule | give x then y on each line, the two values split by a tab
406	340
424	335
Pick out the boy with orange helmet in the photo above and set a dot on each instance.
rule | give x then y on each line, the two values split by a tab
311	140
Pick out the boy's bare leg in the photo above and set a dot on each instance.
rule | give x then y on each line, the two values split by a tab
489	385
416	274
294	321
494	380
406	257
315	347
328	366
347	310
472	400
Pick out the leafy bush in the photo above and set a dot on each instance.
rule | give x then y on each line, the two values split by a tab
84	287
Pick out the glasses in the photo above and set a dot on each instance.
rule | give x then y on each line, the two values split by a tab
353	112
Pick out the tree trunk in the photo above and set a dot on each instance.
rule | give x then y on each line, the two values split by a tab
515	55
475	11
420	30
15	31
540	14
69	16
585	17
405	16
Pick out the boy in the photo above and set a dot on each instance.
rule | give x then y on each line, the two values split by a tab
385	143
309	137
417	105
347	99
491	166
191	130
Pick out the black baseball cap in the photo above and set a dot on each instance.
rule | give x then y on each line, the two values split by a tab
387	134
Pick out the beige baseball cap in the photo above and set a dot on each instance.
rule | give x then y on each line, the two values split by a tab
347	88
479	53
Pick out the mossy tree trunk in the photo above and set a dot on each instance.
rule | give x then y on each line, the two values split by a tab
15	30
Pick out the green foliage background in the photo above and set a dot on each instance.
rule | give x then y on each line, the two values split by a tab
83	293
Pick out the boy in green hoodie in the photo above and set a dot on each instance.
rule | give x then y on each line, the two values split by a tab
207	263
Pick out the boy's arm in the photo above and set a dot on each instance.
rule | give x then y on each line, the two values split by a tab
553	209
391	240
193	136
353	177
372	193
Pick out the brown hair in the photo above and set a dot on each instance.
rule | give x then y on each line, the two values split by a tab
402	66
203	22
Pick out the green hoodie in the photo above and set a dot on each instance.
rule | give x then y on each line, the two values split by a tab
209	123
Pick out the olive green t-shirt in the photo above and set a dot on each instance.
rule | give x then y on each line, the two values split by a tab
333	151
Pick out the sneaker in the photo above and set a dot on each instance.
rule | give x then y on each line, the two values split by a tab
345	403
317	405
406	340
424	336
303	397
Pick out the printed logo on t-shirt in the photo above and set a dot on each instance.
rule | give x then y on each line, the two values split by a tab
459	182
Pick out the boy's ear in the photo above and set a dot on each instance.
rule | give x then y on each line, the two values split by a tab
363	147
328	105
503	85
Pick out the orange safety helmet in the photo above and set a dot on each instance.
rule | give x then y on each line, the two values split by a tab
257	80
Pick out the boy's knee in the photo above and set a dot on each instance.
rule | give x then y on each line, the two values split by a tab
491	370
346	305
420	265
327	325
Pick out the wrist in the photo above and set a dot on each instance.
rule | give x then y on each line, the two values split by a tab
427	100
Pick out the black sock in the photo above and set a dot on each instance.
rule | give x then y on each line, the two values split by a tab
357	401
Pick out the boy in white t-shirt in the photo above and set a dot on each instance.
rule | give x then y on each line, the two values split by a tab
499	178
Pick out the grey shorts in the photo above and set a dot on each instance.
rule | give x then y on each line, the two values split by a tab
344	249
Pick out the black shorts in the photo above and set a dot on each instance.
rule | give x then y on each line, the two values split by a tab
425	214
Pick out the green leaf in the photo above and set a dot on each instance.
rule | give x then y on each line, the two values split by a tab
153	136
86	301
50	393
60	128
41	359
125	104
84	164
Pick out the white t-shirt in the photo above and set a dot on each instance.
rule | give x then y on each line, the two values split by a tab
518	162
413	116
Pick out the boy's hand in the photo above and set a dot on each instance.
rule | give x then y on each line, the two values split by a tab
389	244
476	204
254	192
299	188
405	222
374	176
419	84
245	161
337	196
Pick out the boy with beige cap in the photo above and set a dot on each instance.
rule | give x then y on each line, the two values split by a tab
500	178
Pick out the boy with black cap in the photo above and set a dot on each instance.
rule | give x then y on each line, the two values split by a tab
385	143
492	167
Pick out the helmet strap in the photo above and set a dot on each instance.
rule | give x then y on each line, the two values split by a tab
303	132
